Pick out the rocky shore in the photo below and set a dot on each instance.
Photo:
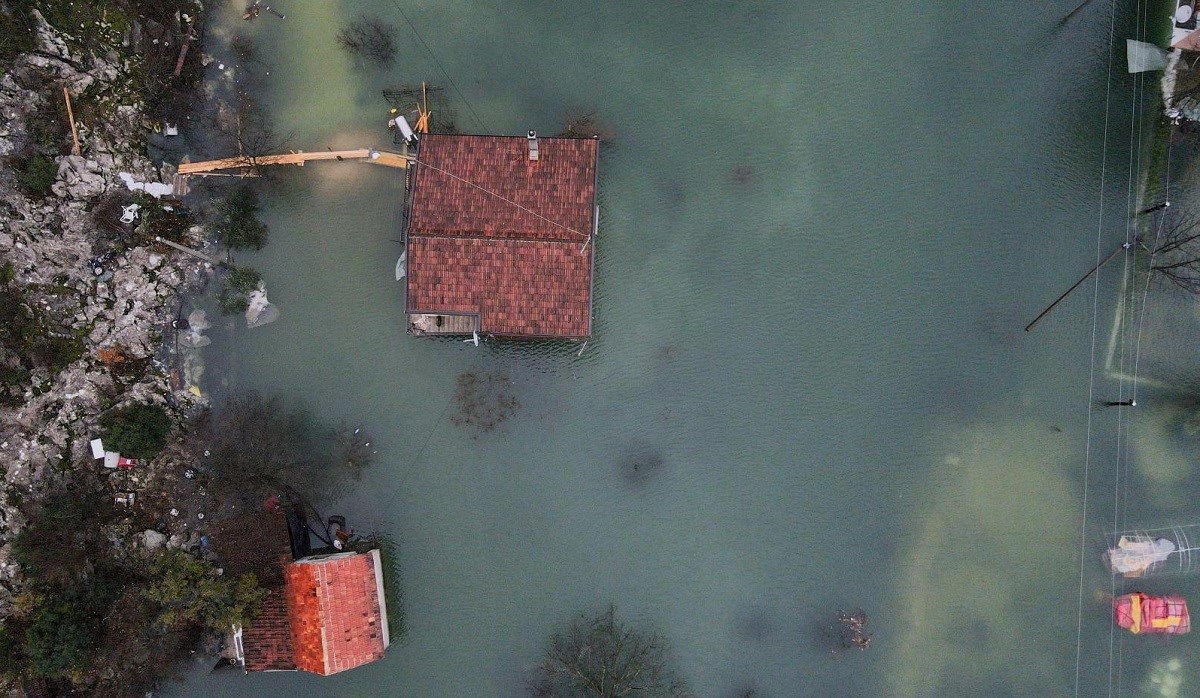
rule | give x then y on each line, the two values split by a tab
112	305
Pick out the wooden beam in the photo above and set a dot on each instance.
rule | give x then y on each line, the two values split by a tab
71	117
382	157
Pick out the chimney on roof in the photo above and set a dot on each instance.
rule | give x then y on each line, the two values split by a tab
533	146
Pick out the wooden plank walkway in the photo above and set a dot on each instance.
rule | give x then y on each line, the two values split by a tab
382	157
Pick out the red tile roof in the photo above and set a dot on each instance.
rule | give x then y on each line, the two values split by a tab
267	640
487	186
494	234
337	621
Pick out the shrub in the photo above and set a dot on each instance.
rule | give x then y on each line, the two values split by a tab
37	175
239	283
238	226
243	279
139	430
58	640
64	628
64	536
192	591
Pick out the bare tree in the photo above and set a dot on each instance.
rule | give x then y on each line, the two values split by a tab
369	37
352	449
1175	252
253	447
852	630
485	401
581	123
599	656
253	132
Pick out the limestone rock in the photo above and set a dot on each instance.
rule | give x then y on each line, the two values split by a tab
153	540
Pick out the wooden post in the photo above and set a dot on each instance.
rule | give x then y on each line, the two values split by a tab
71	117
1077	284
187	250
187	41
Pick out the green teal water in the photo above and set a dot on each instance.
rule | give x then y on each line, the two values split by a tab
824	226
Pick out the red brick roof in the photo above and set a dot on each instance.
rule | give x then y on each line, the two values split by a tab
494	234
337	620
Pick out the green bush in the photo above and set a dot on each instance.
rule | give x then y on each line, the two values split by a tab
192	591
239	282
58	639
138	431
62	633
244	279
238	226
37	175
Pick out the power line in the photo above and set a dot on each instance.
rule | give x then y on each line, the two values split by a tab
502	198
1092	369
439	65
1134	166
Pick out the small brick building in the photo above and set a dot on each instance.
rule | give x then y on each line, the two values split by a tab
499	236
324	614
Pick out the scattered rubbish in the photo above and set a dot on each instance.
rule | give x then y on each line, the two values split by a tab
1134	556
406	131
200	515
255	7
155	189
97	449
170	129
97	263
114	460
190	332
189	474
174	512
125	498
1142	613
195	390
129	213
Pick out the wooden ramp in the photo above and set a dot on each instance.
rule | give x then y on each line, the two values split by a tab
378	157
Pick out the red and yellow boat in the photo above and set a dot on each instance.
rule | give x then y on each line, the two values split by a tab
1142	613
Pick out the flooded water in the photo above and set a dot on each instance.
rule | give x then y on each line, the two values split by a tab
824	227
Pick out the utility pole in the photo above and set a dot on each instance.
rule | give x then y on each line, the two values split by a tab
1044	313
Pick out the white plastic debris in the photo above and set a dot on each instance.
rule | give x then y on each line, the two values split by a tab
155	189
259	310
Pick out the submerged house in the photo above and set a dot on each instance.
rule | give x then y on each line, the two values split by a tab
323	614
499	236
